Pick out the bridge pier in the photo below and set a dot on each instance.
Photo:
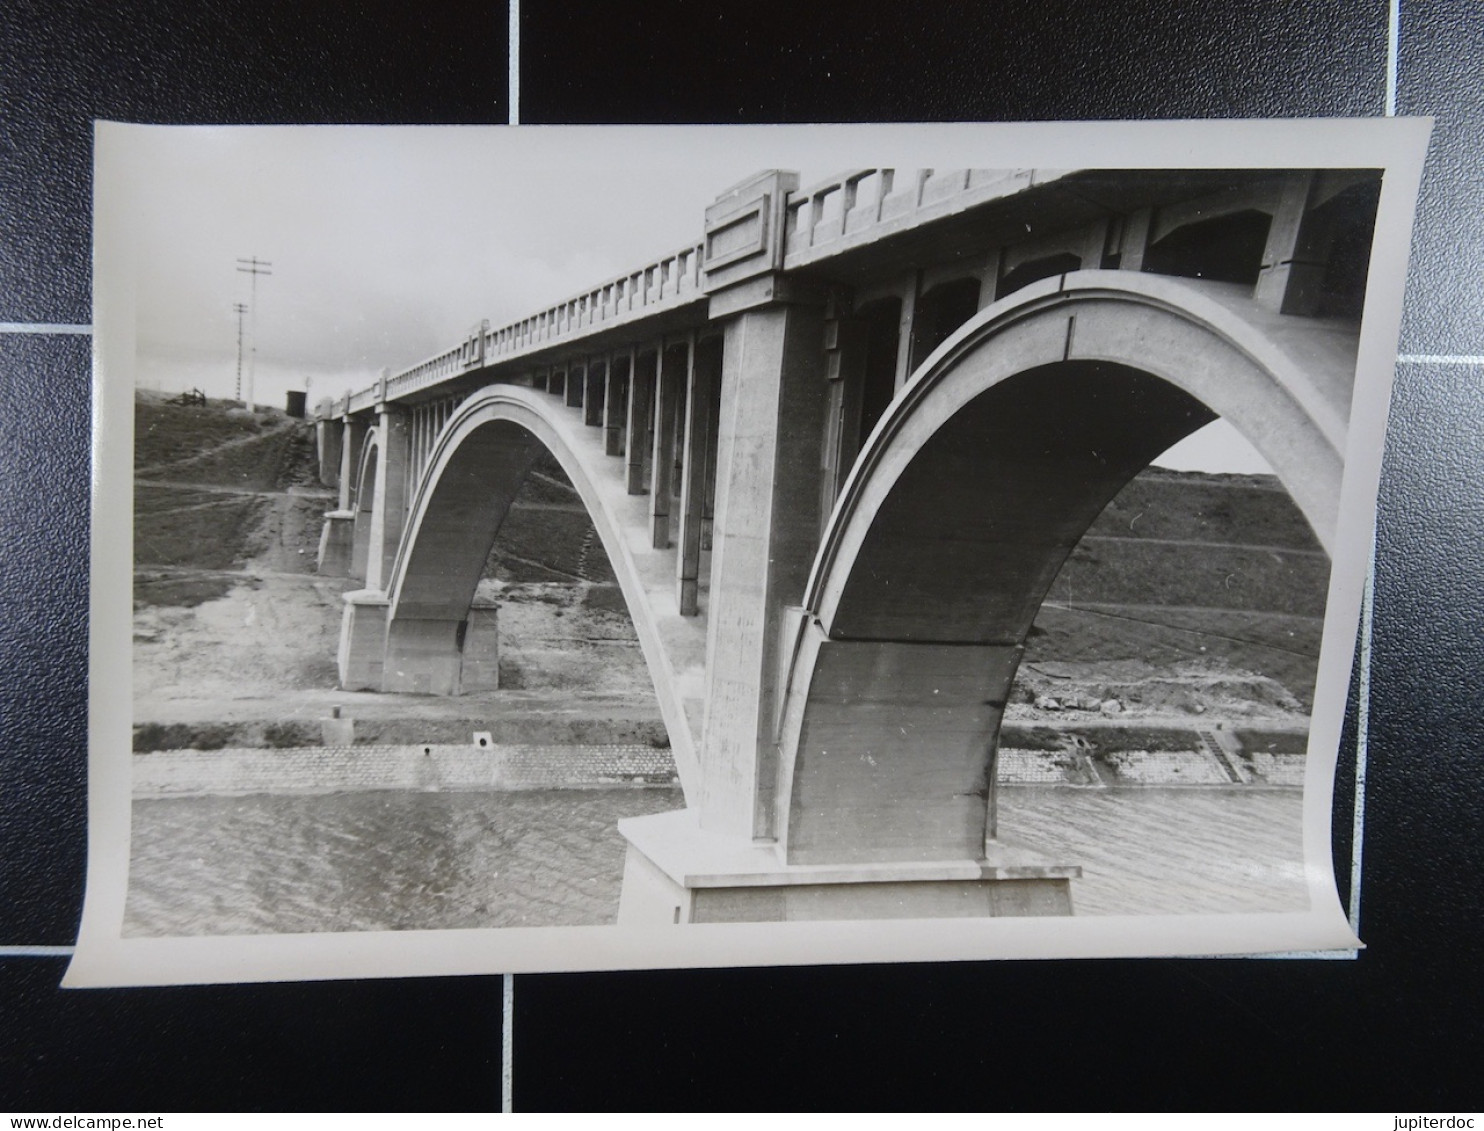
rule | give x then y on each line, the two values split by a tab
593	393
922	722
443	657
328	439
773	396
574	384
356	495
336	544
901	825
672	375
339	441
421	657
616	402
903	830
643	367
389	496
352	439
362	640
677	873
702	406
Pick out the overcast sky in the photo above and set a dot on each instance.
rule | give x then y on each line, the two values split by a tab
388	245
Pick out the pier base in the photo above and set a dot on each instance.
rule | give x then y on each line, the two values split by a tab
362	640
444	657
423	657
336	542
676	872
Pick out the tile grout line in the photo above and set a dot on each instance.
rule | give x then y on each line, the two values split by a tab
513	80
1393	52
45	328
507	1042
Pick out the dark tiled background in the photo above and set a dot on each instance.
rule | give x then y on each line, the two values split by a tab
1399	1028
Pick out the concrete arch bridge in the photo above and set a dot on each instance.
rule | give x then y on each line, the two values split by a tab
837	452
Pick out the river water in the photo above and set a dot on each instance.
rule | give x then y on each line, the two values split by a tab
401	861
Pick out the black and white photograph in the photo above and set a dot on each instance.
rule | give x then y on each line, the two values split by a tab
560	549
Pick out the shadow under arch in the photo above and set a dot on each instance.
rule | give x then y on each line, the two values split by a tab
473	474
972	490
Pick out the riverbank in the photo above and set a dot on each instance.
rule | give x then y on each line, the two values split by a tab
481	766
1107	755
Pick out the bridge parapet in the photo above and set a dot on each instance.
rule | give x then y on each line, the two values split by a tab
765	238
662	285
864	205
669	282
361	401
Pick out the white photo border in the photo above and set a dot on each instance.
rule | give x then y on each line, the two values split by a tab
104	957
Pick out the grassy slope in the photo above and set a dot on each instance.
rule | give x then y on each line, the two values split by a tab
210	507
1194	574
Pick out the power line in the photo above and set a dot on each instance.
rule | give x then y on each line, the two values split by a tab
239	308
253	266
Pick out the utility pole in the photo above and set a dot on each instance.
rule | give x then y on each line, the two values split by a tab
254	267
239	308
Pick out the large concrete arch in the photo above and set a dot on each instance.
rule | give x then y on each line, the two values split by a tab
476	468
966	499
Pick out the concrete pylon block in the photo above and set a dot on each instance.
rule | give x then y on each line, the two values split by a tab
480	670
362	640
676	873
336	543
422	657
